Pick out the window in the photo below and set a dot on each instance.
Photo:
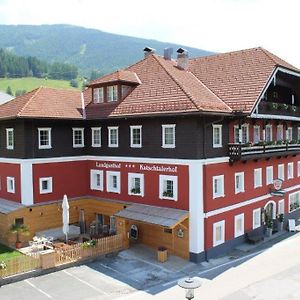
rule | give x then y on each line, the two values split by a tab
281	206
10	182
98	95
236	134
168	187
136	184
168	136
256	134
113	137
257	178
245	133
281	171
96	136
19	221
78	137
256	218
238	225
45	185
44	138
289	134
112	93
239	182
279	133
96	180
113	182
269	137
269	177
218	186
135	136
294	201
298	167
9	138
298	135
290	174
125	90
218	233
217	136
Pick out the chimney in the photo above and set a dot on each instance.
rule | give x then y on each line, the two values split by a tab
148	51
168	53
182	59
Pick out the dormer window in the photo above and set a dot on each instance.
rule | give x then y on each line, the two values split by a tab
98	95
112	93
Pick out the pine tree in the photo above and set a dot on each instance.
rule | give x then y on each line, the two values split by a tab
9	91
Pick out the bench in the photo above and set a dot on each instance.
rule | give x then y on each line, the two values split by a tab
255	235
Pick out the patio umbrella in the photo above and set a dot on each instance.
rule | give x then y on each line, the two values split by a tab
65	216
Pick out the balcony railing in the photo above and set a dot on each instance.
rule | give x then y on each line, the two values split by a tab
248	151
273	108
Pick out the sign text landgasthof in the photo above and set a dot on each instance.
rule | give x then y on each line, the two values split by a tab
106	165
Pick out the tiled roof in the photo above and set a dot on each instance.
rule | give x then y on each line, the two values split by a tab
238	77
44	103
121	75
164	89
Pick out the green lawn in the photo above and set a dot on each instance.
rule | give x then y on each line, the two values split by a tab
6	252
30	83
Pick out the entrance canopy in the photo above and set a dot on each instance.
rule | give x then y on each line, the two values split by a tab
163	216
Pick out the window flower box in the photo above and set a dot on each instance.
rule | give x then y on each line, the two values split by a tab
168	194
272	105
283	106
136	191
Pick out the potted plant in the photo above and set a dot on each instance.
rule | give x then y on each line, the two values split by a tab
19	229
293	108
269	227
135	190
283	106
272	105
280	219
168	194
162	254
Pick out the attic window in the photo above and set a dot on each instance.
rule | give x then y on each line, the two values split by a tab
98	95
125	90
112	93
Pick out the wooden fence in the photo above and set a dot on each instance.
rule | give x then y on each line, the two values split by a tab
19	264
84	250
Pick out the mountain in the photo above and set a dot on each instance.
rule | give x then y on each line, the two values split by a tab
88	49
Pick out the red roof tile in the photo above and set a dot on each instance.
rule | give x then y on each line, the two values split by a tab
45	103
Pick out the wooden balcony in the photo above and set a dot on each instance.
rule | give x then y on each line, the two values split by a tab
245	151
271	108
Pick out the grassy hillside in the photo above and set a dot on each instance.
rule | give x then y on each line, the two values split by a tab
88	49
30	83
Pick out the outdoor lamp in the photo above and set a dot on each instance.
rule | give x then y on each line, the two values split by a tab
189	284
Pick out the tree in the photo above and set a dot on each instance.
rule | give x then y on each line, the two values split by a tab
9	91
74	83
19	229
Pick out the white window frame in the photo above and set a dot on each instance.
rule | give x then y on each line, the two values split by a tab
110	128
247	133
256	211
257	178
298	134
109	187
81	145
49	146
217	128
256	135
298	167
281	170
290	196
220	193
289	134
9	131
132	128
271	132
290	170
10	189
164	127
238	233
131	176
236	134
279	130
240	189
94	130
269	179
222	240
93	180
162	179
112	93
96	95
281	206
50	186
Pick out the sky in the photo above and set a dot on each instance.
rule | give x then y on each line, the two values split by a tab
214	25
